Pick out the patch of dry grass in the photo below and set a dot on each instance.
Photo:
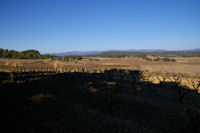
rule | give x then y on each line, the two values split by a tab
39	97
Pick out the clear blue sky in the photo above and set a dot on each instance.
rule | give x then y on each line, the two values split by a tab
81	25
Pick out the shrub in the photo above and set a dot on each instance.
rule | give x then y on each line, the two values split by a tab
166	59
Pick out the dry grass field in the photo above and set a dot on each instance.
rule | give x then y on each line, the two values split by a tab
100	95
186	67
189	65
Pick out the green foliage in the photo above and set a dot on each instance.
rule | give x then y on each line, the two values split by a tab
28	54
164	59
148	59
173	60
157	59
122	54
72	58
144	54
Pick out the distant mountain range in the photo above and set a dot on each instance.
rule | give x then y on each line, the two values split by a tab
77	53
83	53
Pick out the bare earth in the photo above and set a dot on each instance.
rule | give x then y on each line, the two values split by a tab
183	65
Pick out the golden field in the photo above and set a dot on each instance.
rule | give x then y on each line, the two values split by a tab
188	68
189	65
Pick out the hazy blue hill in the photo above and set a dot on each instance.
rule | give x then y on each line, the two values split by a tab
83	53
192	50
78	53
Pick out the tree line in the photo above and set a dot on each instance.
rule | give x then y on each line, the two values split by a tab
28	54
34	54
144	54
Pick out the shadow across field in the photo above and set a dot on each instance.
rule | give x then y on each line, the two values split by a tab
113	101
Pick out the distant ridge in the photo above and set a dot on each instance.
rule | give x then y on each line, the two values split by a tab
191	50
77	53
83	53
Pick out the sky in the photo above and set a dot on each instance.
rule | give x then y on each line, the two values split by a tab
84	25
